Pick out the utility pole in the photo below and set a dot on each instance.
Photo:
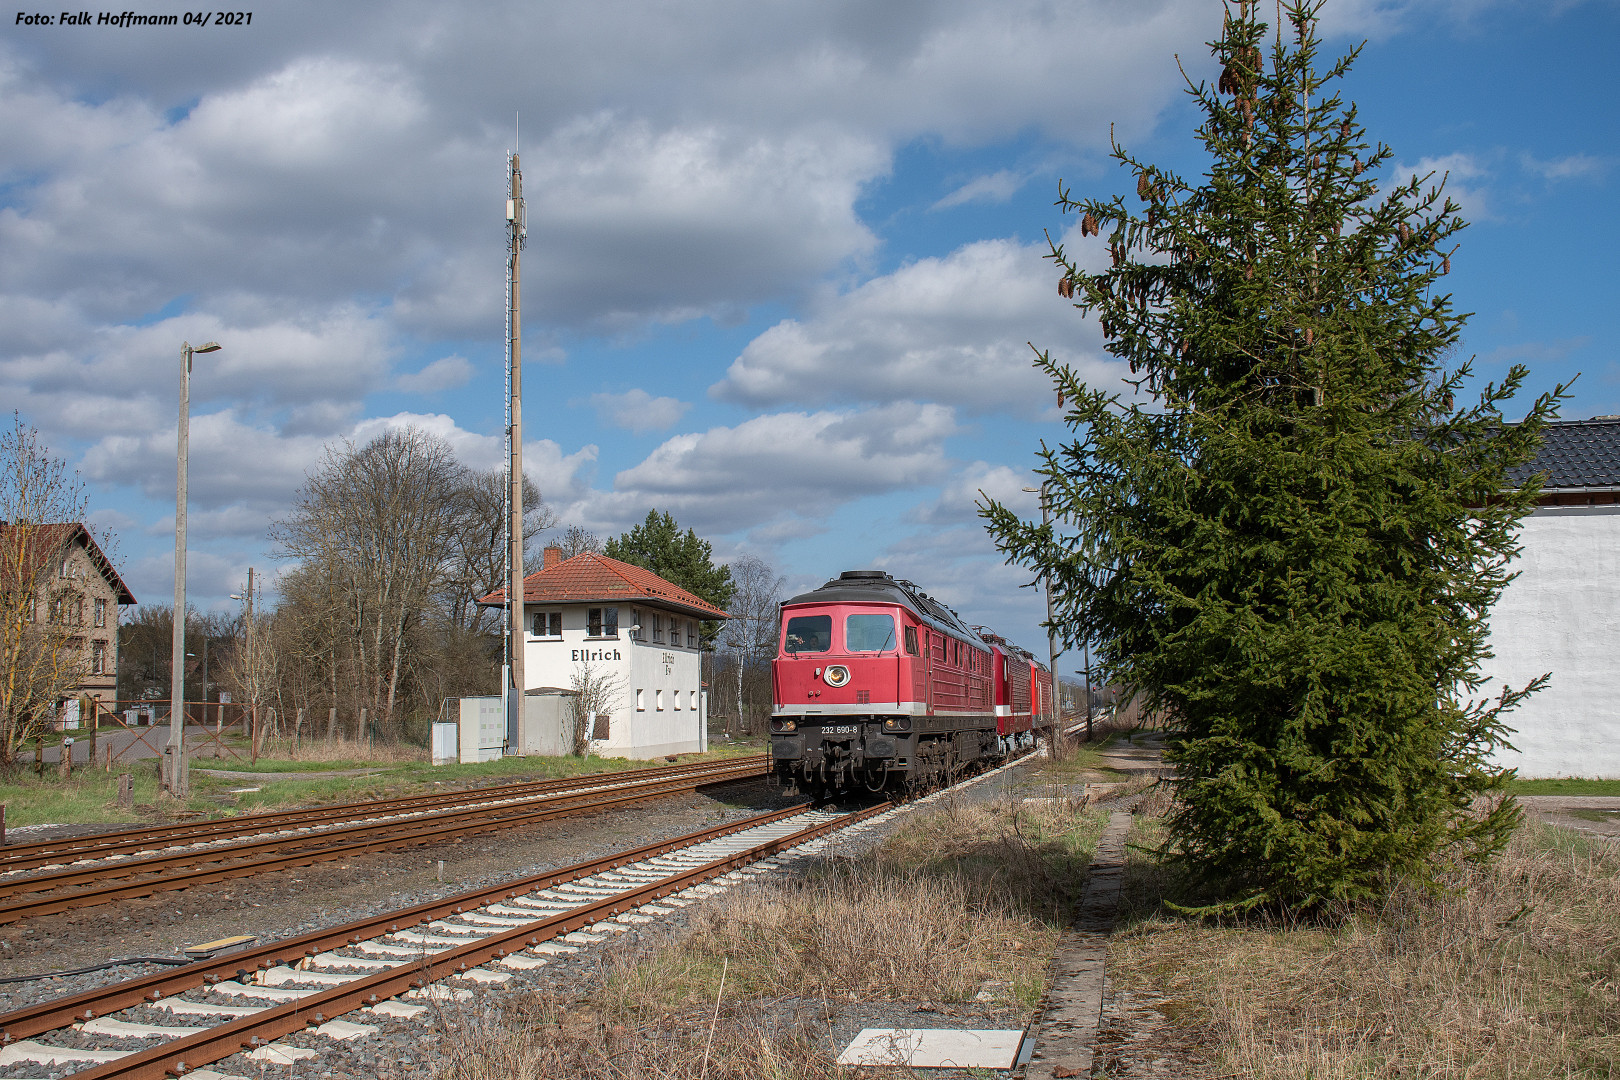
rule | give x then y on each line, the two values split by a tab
179	775
516	232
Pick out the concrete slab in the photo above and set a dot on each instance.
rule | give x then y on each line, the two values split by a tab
40	1054
353	963
281	976
438	992
106	1025
520	962
488	978
397	1009
344	1031
579	937
382	948
182	1007
210	1074
282	1055
934	1048
265	993
552	948
419	938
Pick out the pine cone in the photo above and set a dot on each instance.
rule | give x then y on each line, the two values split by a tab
1228	83
1336	227
1248	273
1184	346
1445	265
1310	335
1060	397
1088	226
1406	233
1066	287
1144	187
1344	130
1355	170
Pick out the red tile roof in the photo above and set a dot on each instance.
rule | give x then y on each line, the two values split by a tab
50	537
589	577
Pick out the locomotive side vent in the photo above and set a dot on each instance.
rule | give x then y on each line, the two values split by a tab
863	697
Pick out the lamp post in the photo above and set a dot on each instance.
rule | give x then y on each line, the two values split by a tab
179	776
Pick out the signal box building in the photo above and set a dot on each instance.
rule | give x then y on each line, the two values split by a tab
625	626
1561	615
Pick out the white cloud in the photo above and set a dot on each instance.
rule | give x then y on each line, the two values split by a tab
954	330
776	468
997	187
1464	176
1565	168
445	373
968	486
638	411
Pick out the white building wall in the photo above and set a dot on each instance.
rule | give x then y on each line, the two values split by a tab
1562	615
657	711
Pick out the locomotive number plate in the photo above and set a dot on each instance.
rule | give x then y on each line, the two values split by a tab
841	729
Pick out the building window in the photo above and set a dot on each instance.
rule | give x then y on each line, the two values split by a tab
693	702
101	613
98	658
635	624
603	622
641	701
675	697
691	634
658	627
78	611
546	624
658	700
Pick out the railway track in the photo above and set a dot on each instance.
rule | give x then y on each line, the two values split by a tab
86	883
241	1002
19	857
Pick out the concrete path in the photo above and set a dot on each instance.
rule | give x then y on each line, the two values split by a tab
1065	1036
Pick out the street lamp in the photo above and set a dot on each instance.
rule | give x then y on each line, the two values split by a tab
179	777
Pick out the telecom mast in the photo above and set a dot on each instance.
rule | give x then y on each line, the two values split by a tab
516	232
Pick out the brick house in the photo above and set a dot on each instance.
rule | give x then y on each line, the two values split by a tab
82	591
1562	613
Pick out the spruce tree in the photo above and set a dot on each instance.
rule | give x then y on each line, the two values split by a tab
685	559
1289	536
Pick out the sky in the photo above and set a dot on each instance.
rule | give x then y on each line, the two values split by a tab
784	260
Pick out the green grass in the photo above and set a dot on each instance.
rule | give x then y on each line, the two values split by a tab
91	796
1569	786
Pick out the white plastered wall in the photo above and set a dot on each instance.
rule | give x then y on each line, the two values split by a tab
660	671
1562	615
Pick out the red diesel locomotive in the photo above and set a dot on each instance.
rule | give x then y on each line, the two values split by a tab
879	686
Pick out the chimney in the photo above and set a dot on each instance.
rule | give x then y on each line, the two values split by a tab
553	557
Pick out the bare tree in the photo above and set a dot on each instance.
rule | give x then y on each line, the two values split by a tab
576	540
378	521
750	634
596	695
477	564
42	509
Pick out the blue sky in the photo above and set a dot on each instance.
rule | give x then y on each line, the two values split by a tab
783	259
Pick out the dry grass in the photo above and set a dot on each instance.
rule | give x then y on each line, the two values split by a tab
1511	973
347	751
962	898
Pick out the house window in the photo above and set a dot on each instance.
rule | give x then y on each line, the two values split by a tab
693	701
659	700
101	613
98	658
56	610
546	624
603	622
635	624
78	611
675	696
641	701
67	568
658	627
691	634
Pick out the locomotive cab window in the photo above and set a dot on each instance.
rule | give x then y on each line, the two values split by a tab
869	632
808	633
911	641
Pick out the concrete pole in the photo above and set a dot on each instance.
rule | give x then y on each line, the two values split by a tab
516	231
179	774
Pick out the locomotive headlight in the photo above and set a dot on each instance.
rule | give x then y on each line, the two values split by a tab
897	724
837	675
783	725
